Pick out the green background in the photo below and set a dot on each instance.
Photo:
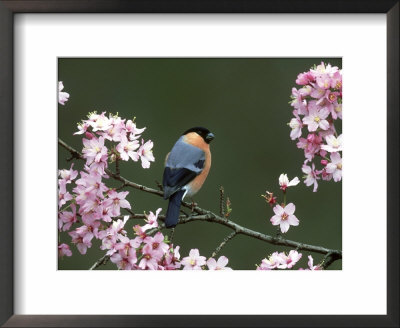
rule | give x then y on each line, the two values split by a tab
244	102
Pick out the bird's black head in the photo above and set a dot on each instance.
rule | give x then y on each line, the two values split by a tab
203	132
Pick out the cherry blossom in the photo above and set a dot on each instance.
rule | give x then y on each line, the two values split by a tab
171	259
288	261
66	219
116	201
335	167
146	154
212	264
127	149
150	258
64	250
311	266
333	144
284	217
317	105
68	175
311	176
284	181
94	150
62	96
272	262
157	244
316	119
194	261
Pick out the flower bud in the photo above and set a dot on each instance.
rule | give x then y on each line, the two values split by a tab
89	135
324	162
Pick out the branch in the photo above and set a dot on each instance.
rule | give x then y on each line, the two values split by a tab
228	238
205	215
100	261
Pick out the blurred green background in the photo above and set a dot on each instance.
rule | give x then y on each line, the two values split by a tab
244	102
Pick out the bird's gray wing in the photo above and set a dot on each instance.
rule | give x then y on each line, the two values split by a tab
184	163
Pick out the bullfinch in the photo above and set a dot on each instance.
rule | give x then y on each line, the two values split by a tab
186	169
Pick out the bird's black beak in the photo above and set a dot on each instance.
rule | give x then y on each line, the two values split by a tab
210	137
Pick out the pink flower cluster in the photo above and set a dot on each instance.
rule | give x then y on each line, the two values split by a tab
317	105
280	260
284	214
286	261
98	128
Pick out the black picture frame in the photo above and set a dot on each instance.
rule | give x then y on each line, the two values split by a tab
8	200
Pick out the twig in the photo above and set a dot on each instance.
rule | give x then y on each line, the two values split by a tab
221	202
100	261
171	238
228	238
200	214
117	165
160	186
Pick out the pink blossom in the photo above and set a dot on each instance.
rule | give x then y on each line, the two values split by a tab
171	260
316	119
333	144
318	92
151	220
116	131
335	167
126	262
116	201
284	217
82	237
311	265
132	129
298	102
92	183
63	195
68	175
66	219
312	177
218	265
64	249
127	149
99	122
271	262
150	258
296	125
194	261
94	150
284	181
288	261
140	231
146	154
305	78
112	234
62	96
336	111
82	128
157	244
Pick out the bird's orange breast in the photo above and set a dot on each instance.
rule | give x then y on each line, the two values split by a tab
195	140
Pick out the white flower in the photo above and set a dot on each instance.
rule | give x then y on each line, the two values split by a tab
62	96
333	144
335	167
284	181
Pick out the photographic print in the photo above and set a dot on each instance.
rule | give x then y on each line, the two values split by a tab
199	164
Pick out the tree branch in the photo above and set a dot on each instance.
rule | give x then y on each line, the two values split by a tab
228	238
200	214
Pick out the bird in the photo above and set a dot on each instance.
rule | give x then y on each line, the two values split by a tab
186	168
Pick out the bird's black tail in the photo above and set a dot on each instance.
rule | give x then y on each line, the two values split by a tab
174	206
